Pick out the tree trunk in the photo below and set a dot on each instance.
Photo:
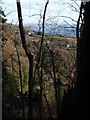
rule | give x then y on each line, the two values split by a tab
76	102
83	70
30	58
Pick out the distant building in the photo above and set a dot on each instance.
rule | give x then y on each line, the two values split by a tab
30	33
68	46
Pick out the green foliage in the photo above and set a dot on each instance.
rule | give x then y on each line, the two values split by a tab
9	85
24	78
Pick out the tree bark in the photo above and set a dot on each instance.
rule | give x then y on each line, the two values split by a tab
76	102
30	58
83	69
20	76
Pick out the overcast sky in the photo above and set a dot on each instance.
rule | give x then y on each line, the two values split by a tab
31	7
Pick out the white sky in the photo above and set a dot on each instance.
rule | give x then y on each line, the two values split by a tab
30	7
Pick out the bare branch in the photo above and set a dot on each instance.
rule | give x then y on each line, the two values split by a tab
69	24
69	18
72	6
42	39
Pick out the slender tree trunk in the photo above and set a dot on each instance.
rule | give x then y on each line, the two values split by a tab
48	106
30	58
42	39
20	76
13	70
57	95
40	61
41	90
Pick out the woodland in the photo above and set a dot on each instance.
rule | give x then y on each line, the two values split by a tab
45	76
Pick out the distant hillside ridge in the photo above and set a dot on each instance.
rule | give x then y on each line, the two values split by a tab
62	29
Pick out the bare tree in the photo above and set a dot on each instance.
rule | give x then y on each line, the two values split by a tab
56	84
30	58
20	75
40	59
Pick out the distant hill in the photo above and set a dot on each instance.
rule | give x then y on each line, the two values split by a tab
62	45
11	33
62	29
